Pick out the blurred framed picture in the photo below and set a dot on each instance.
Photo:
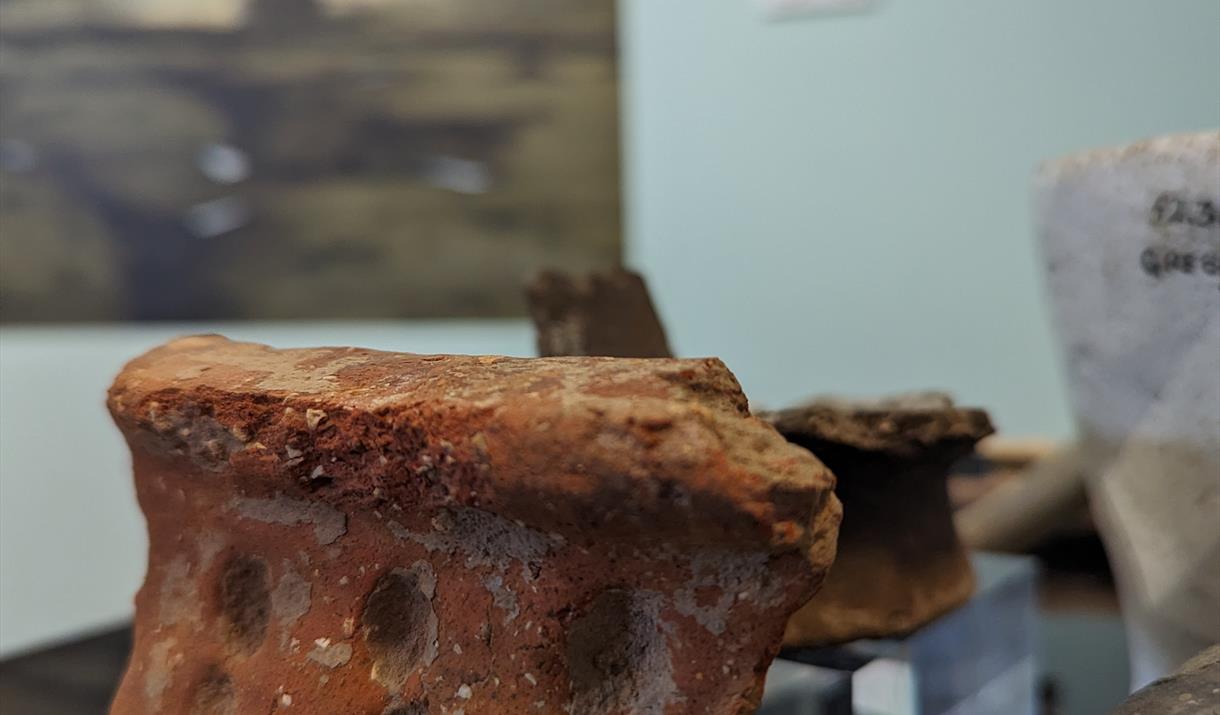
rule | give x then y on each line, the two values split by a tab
283	159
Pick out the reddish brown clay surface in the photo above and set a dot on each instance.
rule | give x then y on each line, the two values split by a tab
899	564
347	532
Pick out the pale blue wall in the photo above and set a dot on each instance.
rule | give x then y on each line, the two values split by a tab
841	204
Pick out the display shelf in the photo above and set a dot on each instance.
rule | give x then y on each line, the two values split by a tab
977	659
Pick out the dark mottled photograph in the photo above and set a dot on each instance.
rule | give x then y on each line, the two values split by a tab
285	159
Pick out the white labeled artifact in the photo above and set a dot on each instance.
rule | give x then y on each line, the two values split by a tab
1131	240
